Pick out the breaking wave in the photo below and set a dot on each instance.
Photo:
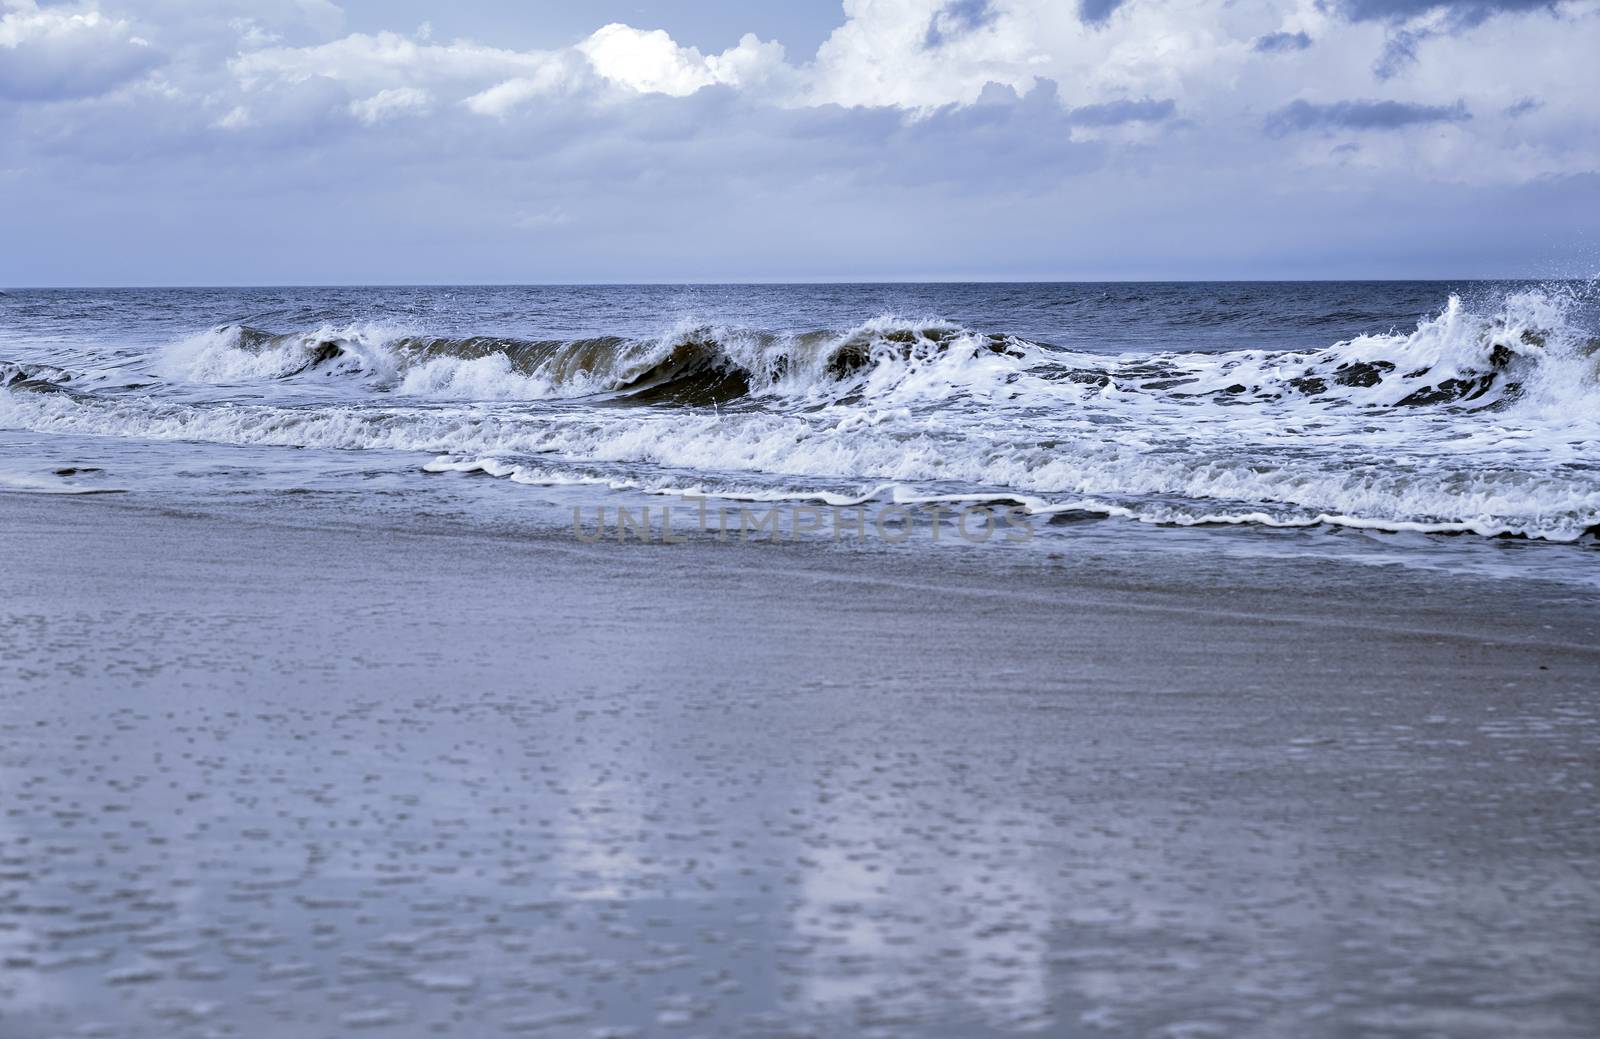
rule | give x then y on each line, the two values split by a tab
1456	358
689	365
1476	420
46	377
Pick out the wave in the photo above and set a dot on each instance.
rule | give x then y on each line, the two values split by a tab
1428	478
38	377
1197	513
1529	345
1478	419
702	364
1457	358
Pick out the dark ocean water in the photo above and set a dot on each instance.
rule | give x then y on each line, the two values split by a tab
1423	408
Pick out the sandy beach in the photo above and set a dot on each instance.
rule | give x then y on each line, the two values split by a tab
280	773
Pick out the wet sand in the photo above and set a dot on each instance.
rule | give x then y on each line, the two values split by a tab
269	777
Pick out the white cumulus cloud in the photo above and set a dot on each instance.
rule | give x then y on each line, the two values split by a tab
390	104
651	62
54	53
505	97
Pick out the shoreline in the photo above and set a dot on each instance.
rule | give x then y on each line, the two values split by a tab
402	775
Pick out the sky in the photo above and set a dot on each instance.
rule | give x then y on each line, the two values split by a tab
218	142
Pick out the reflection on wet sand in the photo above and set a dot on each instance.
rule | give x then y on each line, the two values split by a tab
602	802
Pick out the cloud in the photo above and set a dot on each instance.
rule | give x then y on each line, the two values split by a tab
1036	137
324	16
1097	12
1115	113
1361	115
1399	52
1413	22
383	60
552	216
297	114
1459	12
650	62
505	97
957	18
391	104
1281	42
52	54
881	55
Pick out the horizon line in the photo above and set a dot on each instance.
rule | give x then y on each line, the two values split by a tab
713	283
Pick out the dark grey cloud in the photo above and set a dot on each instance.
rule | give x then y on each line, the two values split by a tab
957	18
1095	12
1461	12
1523	107
1115	113
1399	52
1279	42
1400	49
1361	115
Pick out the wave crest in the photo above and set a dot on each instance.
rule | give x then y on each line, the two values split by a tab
690	365
1476	419
30	376
1458	358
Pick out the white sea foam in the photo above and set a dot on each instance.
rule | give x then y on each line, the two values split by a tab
234	353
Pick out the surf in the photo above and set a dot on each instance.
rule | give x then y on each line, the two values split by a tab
1481	418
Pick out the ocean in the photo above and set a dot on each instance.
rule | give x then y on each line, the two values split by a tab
336	697
1413	414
